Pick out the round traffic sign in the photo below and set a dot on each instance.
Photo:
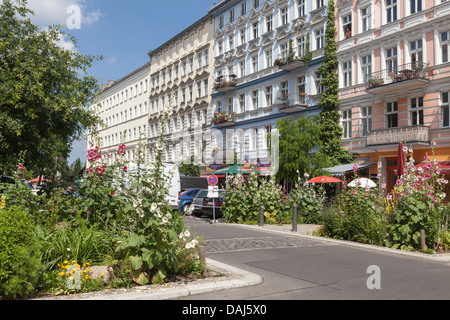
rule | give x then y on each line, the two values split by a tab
213	180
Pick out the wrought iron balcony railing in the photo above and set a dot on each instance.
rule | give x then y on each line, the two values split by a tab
225	83
417	133
292	102
412	70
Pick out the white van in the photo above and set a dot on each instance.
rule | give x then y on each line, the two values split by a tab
170	170
175	186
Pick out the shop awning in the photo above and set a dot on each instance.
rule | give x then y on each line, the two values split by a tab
343	168
442	165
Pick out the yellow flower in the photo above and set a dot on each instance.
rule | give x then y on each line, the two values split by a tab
62	274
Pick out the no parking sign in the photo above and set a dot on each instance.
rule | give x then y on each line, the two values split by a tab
213	180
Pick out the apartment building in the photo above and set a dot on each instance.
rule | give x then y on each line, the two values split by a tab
261	72
394	75
122	105
181	77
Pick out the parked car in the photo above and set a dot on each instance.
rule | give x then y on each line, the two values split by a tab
213	205
186	199
198	202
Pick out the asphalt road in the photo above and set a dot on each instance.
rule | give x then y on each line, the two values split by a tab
306	268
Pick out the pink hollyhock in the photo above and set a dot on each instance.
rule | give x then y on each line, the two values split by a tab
125	168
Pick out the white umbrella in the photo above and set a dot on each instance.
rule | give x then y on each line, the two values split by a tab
362	182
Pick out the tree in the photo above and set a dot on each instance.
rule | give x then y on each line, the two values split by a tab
298	141
44	90
331	133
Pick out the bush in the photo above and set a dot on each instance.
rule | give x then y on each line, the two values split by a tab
19	261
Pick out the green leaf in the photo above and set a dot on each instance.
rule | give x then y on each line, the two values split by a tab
136	262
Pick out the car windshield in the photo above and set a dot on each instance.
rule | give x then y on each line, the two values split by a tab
202	194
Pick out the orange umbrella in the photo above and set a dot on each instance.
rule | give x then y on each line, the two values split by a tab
324	179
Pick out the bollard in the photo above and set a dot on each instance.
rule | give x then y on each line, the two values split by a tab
261	215
202	256
423	246
294	219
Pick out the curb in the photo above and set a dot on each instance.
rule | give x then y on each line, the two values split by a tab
434	257
232	278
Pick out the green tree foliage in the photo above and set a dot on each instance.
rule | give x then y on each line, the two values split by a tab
329	102
44	88
298	140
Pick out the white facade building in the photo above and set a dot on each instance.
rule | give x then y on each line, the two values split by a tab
181	76
123	107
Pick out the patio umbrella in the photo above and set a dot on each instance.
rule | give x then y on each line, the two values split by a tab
324	179
400	161
363	182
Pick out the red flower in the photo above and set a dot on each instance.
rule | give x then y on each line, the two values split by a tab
125	168
112	192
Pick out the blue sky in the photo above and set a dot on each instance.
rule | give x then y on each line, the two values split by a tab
122	31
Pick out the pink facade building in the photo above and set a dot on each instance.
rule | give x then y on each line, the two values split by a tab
394	78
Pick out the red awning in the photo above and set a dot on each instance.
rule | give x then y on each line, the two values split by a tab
442	165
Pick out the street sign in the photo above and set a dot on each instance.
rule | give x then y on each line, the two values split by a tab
213	180
213	192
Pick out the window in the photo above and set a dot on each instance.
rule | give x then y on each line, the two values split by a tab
347	123
205	87
190	92
391	10
269	58
416	51
320	40
242	68
242	36
191	64
243	8
301	46
242	103
231	15
284	50
318	82
445	41
416	111
301	85
219	47
319	4
269	23
230	42
347	26
445	110
415	6
255	99
391	60
221	22
269	96
255	30
284	89
255	64
199	60
284	16
230	105
365	19
255	4
199	89
366	120
347	73
206	55
366	67
301	8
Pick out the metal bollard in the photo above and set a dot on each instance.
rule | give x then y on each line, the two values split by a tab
294	219
261	215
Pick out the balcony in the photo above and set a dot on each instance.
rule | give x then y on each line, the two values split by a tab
224	120
291	103
404	76
289	61
225	83
396	135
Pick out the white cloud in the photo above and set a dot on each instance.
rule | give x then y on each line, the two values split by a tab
111	60
50	12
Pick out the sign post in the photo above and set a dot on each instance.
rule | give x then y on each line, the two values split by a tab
213	192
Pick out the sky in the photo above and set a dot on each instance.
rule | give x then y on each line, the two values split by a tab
123	32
